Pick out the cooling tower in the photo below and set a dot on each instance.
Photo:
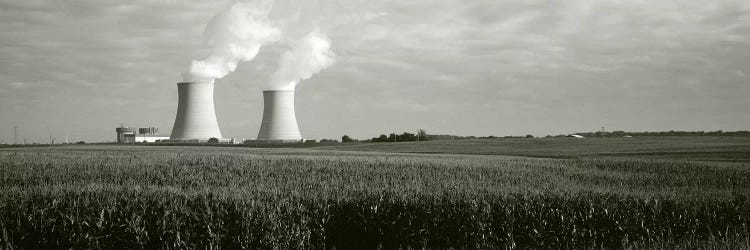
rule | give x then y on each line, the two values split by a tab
279	122
196	118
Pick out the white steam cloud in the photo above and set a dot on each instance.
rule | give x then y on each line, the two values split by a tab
234	35
307	57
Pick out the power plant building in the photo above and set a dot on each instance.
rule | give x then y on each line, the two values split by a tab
195	121
131	135
124	134
279	122
196	117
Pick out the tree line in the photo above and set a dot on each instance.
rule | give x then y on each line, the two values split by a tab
421	135
665	133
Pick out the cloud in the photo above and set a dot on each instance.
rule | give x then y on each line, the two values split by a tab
17	85
551	59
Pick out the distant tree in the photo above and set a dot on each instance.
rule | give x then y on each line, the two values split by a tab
81	142
381	138
213	140
346	138
422	135
310	141
529	136
392	138
406	137
403	137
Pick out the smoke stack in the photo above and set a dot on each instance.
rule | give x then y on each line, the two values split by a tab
196	118
279	122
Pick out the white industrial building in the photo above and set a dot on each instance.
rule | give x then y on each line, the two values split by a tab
279	122
133	135
196	121
196	117
150	138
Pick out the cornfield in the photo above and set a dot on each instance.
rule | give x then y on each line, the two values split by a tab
202	197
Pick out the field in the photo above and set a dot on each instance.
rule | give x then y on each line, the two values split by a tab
657	192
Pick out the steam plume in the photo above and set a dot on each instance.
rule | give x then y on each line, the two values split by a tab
234	35
307	57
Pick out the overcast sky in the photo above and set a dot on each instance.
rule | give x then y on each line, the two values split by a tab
480	67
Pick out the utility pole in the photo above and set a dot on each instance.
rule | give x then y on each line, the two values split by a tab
15	135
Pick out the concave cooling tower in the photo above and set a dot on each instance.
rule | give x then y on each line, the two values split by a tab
196	118
279	122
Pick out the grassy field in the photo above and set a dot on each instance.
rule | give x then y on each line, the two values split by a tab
664	147
661	192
